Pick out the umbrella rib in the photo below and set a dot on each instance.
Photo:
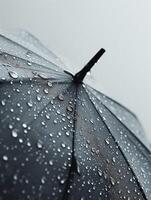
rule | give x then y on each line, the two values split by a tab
113	101
39	65
26	80
73	159
138	183
132	134
14	42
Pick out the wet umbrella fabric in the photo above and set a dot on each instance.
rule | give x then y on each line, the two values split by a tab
60	138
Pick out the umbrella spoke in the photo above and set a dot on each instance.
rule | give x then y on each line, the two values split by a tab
19	62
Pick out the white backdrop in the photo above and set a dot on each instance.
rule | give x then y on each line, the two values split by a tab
75	30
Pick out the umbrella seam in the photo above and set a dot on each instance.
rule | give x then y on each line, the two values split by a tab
73	161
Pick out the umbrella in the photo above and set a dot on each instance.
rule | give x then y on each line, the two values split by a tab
60	138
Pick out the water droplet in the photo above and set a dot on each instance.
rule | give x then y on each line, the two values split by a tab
15	133
51	162
46	90
28	54
69	108
5	158
29	63
63	145
61	97
107	141
30	104
24	125
3	102
99	172
43	180
62	181
47	116
113	159
39	144
67	133
112	180
49	84
38	98
13	74
15	177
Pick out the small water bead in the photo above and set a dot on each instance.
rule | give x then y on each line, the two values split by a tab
13	74
15	177
15	133
38	98
70	108
67	133
50	162
24	125
5	158
30	104
29	63
112	181
63	145
49	84
62	181
39	144
43	180
46	91
10	126
100	172
47	116
3	102
107	141
61	97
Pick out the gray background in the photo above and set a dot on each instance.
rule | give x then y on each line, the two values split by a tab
75	30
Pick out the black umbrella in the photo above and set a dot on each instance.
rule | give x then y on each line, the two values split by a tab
61	139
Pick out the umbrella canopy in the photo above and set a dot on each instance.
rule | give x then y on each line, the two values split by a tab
61	139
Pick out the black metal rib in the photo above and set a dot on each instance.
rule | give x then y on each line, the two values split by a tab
73	167
33	63
119	104
138	183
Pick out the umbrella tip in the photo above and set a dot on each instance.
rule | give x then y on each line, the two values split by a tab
78	78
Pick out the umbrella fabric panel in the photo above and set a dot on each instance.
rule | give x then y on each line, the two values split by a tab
103	172
13	48
123	114
36	142
29	41
137	155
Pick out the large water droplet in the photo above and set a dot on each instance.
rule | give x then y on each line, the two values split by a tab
5	158
13	74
